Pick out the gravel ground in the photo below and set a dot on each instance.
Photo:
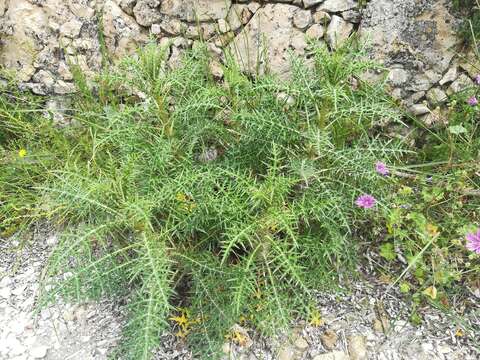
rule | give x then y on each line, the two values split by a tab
365	323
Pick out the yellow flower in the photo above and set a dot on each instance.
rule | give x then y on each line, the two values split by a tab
432	230
22	153
181	197
181	321
316	318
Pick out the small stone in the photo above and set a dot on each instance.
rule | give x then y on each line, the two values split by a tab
286	99
71	28
62	87
64	71
426	347
450	76
321	17
436	96
69	315
300	343
82	10
7	280
216	69
463	82
338	32
173	27
352	16
398	76
156	29
337	5
444	349
419	109
357	347
146	12
310	3
39	352
5	292
302	18
316	31
329	339
334	355
286	353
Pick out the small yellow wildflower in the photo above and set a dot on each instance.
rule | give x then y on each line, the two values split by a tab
316	319
431	292
22	153
181	321
181	197
432	230
239	338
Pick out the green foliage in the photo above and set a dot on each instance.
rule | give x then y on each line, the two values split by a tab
221	198
29	147
436	203
210	204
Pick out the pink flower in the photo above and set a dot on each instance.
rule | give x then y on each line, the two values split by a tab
366	201
477	79
381	168
472	101
473	241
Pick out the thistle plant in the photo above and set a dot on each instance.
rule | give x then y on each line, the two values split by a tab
180	192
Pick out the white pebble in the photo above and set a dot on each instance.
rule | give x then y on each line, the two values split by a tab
39	352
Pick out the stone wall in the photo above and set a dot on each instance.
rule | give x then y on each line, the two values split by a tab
414	39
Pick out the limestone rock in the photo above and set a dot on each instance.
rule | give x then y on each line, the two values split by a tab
287	352
436	96
449	76
310	3
316	31
271	29
398	76
329	339
337	5
463	82
19	48
357	347
338	31
334	355
39	352
419	109
127	6
321	17
418	36
302	18
71	28
353	16
301	344
146	12
122	33
191	10
238	15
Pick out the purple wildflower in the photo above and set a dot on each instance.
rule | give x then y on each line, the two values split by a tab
473	241
381	168
472	101
366	201
477	79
